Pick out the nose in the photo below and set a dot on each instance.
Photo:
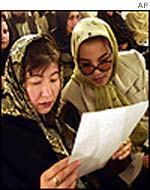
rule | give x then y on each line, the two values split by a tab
75	21
46	90
97	72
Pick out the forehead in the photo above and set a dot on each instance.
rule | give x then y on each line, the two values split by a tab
98	39
4	24
73	13
93	44
51	67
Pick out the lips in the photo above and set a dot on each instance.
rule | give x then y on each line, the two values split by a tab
99	80
45	104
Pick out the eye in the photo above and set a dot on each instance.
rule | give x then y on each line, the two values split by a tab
105	61
55	78
85	64
108	59
71	18
5	31
36	83
34	80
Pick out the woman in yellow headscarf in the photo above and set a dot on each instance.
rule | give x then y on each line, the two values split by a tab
105	79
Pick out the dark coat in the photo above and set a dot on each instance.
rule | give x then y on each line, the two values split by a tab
120	29
25	153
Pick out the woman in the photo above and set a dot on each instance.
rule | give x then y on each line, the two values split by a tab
138	23
65	22
31	141
21	23
122	33
5	46
104	79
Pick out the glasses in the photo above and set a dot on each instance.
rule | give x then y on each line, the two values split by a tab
87	68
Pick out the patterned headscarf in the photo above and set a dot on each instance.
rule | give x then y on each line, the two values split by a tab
107	96
16	101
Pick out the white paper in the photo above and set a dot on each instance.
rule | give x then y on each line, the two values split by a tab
101	133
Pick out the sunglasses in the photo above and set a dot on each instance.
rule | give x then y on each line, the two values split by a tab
87	68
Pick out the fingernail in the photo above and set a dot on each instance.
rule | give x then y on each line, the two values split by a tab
78	162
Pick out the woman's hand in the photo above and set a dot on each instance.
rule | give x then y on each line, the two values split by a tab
123	151
60	175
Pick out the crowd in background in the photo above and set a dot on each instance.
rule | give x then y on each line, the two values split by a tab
131	30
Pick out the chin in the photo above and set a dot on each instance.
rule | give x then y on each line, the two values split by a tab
44	111
100	84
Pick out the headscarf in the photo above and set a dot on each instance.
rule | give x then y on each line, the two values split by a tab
60	33
138	23
16	102
107	96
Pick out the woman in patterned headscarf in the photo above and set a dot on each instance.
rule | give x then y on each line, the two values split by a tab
31	134
104	79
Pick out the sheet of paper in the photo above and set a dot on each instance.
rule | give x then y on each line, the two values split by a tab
101	133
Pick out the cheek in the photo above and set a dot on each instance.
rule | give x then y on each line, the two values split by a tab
69	27
57	89
33	95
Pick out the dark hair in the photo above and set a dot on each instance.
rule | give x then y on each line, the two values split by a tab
40	54
4	19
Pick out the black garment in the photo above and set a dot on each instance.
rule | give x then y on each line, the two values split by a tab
120	29
59	32
3	59
62	39
51	19
142	181
25	153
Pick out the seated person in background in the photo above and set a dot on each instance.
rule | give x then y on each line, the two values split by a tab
105	79
121	31
21	23
65	22
138	23
45	20
5	46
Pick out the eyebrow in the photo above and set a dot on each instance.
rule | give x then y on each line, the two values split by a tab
40	75
102	56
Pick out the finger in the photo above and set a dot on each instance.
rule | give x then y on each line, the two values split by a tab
124	155
125	152
73	185
70	179
122	151
63	174
52	171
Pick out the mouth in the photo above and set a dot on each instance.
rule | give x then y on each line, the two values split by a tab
99	80
45	104
4	41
